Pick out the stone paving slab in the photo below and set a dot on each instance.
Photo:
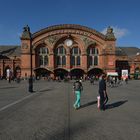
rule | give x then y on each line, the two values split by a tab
49	113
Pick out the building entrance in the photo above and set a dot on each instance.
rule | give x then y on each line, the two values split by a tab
77	74
60	73
42	72
95	72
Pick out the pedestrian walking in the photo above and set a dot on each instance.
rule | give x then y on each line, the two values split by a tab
77	87
102	92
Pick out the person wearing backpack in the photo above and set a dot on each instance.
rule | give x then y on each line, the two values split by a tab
77	87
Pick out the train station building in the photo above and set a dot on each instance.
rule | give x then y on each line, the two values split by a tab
68	50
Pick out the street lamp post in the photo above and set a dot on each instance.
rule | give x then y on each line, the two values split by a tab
31	65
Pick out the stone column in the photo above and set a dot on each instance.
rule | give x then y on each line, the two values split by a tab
51	61
84	61
68	61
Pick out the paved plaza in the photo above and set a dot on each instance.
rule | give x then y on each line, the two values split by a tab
48	113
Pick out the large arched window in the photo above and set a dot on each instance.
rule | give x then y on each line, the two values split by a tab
60	56
93	57
75	56
43	56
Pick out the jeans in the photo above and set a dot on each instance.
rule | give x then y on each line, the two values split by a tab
78	96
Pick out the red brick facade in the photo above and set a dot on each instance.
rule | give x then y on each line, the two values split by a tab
82	38
12	64
67	50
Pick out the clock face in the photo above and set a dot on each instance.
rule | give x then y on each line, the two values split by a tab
68	42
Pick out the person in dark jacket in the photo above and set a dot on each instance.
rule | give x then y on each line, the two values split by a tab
102	92
77	87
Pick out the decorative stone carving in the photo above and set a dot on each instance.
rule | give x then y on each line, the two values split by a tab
110	47
72	28
24	46
52	39
87	41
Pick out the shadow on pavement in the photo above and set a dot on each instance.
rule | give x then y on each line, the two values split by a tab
7	87
116	104
45	90
88	104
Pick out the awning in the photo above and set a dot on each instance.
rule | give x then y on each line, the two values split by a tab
112	73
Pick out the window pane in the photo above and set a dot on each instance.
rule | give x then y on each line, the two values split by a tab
90	61
47	51
93	51
58	60
75	50
60	50
64	60
46	60
40	51
64	51
40	60
73	60
56	51
43	50
96	51
95	60
78	60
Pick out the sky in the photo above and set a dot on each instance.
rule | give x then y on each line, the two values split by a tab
122	15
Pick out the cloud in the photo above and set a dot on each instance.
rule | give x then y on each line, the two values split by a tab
119	32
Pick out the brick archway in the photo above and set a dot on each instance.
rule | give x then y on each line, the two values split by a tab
77	73
61	73
42	72
95	72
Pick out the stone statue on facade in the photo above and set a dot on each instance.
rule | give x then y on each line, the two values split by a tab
26	33
110	35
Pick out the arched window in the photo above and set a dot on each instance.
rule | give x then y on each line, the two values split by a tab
75	56
60	56
93	57
43	56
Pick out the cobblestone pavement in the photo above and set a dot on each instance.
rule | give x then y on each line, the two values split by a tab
48	113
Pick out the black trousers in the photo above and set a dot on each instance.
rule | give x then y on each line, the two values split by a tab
102	100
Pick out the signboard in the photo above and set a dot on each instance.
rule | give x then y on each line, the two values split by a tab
112	73
124	74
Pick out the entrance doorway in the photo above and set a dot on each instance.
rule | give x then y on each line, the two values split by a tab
77	74
60	73
95	71
42	73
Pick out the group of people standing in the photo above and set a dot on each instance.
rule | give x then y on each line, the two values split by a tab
102	98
